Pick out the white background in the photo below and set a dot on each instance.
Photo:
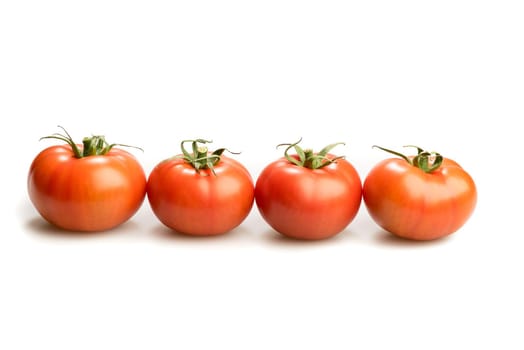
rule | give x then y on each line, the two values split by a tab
445	75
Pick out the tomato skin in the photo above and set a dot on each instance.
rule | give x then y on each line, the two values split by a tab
94	193
409	203
200	204
308	204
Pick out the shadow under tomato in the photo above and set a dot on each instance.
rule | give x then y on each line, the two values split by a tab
387	239
166	233
275	238
40	226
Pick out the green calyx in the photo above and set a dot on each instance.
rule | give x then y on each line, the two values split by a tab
200	157
95	145
309	159
424	160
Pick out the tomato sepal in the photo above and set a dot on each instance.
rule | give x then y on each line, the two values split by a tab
200	157
424	160
95	145
307	158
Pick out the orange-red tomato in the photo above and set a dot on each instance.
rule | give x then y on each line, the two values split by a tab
205	201
415	204
92	193
308	203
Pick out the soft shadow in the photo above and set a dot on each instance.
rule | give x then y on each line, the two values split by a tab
387	239
40	226
163	232
274	238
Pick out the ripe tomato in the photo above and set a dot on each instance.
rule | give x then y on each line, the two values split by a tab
89	187
308	195
421	198
200	193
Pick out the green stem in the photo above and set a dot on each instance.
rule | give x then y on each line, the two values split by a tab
200	157
91	146
424	160
309	159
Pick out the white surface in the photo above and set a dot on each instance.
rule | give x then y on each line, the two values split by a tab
447	76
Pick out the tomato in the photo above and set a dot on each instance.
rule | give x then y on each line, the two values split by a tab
88	187
200	193
421	198
308	195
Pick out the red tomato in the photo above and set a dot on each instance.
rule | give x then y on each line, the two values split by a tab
200	193
417	198
308	195
91	193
